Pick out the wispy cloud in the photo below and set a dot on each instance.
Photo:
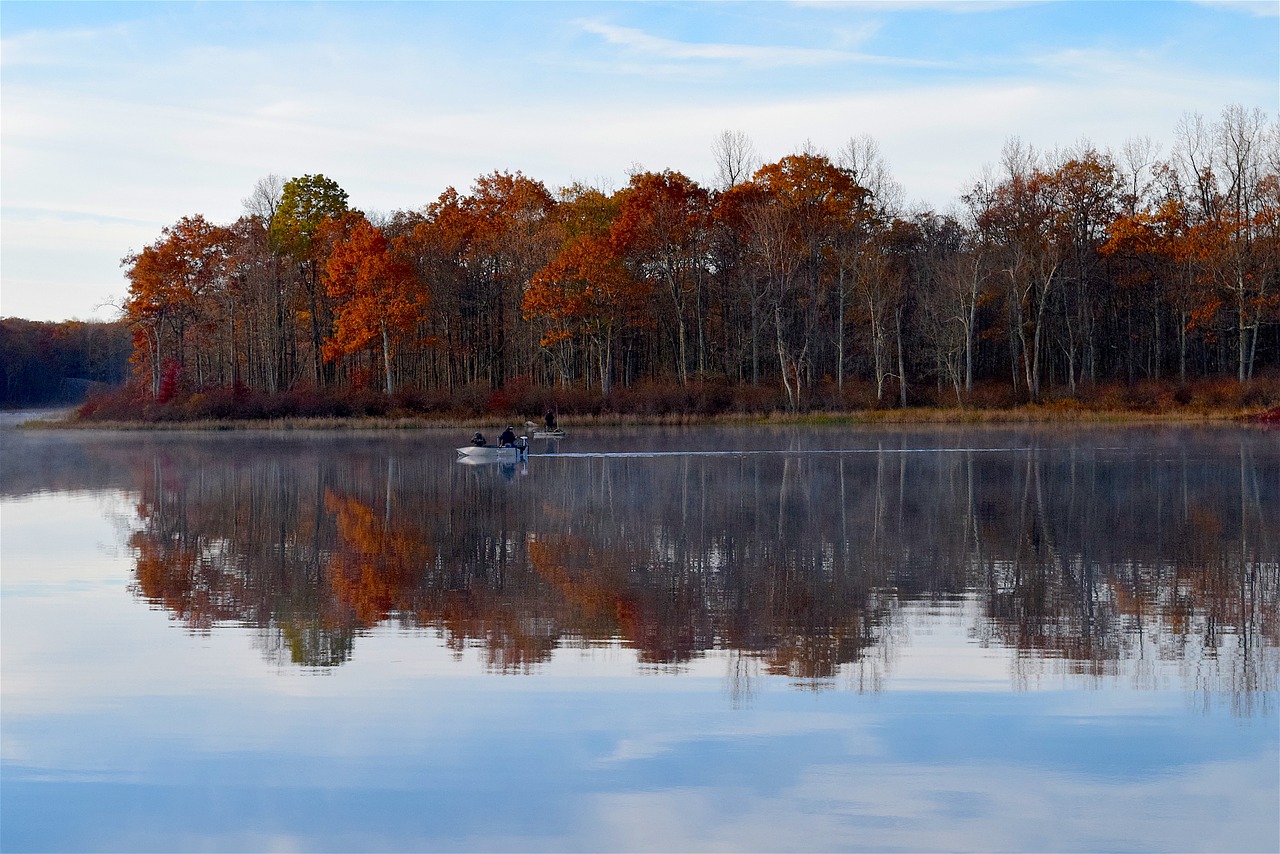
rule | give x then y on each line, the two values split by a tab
54	48
1256	8
955	7
636	41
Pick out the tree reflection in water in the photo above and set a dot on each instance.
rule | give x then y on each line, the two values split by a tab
1080	557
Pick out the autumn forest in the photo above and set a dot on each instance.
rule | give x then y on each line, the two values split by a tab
804	283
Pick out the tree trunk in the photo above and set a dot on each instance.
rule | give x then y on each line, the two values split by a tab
1241	330
877	343
755	341
681	333
1038	338
840	333
153	343
968	345
902	365
312	279
606	362
1253	350
1182	347
782	359
386	357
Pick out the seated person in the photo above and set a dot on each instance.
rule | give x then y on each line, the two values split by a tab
478	440
507	438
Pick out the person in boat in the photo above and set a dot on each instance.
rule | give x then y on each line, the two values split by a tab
551	422
508	438
478	440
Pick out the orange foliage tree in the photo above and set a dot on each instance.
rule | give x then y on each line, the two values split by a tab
171	285
586	291
812	212
585	295
376	298
661	231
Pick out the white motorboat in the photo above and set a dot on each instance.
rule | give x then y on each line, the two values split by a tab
548	434
517	451
491	451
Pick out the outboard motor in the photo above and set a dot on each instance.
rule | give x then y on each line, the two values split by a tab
522	446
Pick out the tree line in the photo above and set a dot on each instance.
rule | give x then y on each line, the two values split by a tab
805	281
44	364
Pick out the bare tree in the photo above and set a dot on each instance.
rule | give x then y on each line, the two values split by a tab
263	267
863	159
1241	138
1138	156
265	198
1193	157
736	158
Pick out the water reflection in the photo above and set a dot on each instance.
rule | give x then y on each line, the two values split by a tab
1096	554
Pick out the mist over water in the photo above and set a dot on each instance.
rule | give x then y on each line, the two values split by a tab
1090	609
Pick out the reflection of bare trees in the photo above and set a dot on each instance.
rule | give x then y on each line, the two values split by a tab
1107	562
1094	561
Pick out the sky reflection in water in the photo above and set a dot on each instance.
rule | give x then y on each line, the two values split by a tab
1065	642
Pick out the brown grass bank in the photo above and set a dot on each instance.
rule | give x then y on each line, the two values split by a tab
695	403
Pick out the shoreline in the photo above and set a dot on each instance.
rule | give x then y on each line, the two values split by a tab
1024	415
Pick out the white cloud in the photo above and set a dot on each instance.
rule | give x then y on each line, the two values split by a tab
955	7
879	806
57	48
1255	8
760	55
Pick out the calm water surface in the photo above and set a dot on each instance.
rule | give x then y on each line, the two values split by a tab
792	639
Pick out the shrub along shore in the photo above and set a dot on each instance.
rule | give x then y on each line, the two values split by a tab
693	403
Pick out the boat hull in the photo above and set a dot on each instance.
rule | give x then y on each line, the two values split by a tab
491	452
500	462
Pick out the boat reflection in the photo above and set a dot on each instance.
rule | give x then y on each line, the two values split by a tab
510	468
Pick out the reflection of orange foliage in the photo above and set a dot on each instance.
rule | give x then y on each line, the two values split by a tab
163	578
375	565
814	635
629	618
514	641
168	573
586	591
660	632
1132	600
805	657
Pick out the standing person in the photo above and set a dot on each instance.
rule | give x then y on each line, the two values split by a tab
551	422
507	438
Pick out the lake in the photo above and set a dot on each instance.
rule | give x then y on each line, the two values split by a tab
648	639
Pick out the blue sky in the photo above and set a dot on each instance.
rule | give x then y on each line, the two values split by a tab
119	118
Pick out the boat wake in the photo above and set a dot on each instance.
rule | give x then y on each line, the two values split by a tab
808	452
